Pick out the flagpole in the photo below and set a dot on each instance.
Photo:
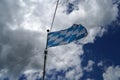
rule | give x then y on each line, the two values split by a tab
45	58
46	52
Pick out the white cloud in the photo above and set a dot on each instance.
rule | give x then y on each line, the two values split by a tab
112	73
100	64
89	66
74	74
70	75
23	27
89	79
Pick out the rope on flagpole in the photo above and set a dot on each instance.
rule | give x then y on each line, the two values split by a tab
54	15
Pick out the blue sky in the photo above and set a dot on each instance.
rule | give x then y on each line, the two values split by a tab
104	49
23	26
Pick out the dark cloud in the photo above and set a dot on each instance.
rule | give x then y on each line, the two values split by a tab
16	49
17	46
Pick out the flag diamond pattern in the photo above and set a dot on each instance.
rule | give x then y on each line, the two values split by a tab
62	37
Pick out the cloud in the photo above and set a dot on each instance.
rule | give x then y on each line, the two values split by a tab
100	64
89	66
90	79
74	74
23	27
112	73
17	50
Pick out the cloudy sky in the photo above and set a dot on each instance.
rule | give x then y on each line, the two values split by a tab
23	25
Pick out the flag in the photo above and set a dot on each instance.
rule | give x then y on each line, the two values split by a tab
62	37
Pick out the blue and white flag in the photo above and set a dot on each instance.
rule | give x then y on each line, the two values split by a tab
62	37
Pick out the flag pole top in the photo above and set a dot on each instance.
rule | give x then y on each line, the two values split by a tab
48	30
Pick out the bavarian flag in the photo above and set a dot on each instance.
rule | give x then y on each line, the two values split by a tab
62	37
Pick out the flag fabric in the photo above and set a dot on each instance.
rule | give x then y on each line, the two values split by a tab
62	37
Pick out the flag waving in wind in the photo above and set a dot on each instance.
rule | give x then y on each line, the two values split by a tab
62	37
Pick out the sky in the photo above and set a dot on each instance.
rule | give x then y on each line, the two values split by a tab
23	25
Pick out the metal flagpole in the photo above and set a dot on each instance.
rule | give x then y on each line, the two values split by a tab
45	58
46	52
